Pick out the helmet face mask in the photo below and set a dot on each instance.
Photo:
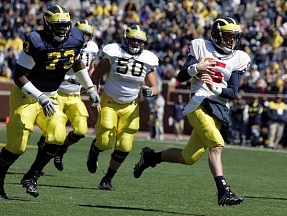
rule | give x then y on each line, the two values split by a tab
57	23
134	39
86	28
225	34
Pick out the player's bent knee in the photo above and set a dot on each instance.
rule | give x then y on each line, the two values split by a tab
192	159
80	126
17	138
81	131
57	136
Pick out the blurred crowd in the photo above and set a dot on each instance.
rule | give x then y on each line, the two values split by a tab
258	122
170	26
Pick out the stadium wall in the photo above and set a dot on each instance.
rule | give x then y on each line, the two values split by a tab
168	91
144	108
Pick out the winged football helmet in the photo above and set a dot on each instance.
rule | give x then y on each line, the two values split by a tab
225	34
57	23
86	27
134	39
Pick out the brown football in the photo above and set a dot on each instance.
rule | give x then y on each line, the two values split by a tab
208	59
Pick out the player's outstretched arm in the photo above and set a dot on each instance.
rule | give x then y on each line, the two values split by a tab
82	74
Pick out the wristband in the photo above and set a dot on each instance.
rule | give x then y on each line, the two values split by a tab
66	77
30	90
216	90
92	88
192	71
84	78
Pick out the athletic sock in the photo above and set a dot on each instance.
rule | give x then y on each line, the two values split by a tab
220	182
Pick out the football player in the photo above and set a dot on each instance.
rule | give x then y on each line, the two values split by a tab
47	56
70	96
128	66
215	68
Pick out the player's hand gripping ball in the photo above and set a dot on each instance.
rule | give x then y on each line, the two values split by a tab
208	61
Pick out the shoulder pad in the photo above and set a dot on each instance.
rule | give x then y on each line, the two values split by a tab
94	46
149	58
32	41
111	49
196	46
77	34
244	61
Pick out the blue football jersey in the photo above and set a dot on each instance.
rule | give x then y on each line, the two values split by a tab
52	59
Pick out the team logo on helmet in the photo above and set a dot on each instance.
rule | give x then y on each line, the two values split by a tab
225	34
57	23
86	28
134	39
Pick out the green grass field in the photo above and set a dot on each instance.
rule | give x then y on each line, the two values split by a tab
259	176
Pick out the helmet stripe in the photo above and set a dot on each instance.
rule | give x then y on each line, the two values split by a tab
234	22
223	20
60	8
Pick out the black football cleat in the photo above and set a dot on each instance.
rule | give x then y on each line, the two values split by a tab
3	195
227	197
42	173
143	162
92	159
105	184
58	159
58	162
31	186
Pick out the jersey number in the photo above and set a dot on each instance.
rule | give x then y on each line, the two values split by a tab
56	56
87	59
135	69
217	76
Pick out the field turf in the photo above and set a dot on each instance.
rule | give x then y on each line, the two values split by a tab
260	176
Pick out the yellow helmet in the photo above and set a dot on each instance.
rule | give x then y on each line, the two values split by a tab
134	39
57	22
85	26
225	34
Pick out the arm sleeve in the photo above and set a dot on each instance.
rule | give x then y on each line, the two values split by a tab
233	85
25	60
183	73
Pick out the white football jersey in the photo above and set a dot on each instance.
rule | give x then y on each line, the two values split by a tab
127	72
225	65
87	55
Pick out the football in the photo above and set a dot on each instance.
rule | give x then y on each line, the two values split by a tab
208	59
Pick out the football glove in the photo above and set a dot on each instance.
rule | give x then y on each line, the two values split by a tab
73	81
47	104
147	91
94	98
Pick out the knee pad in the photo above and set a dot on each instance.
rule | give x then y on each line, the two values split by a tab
80	126
119	156
191	159
55	133
74	137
